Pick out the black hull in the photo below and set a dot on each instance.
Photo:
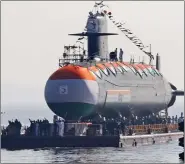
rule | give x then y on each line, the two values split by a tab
24	142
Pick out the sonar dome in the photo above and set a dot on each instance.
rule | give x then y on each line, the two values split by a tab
72	92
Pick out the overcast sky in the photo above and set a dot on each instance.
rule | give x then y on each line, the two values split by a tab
34	33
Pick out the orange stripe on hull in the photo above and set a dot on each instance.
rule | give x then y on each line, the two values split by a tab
115	92
93	68
114	64
101	66
72	72
141	66
135	67
108	65
147	66
120	64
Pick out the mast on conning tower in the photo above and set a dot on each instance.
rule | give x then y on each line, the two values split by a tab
158	62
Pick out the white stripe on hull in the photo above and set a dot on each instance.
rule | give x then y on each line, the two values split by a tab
72	90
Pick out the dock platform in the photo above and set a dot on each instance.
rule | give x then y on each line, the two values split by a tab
25	142
134	140
31	142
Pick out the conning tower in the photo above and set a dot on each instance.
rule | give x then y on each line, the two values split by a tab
97	46
97	36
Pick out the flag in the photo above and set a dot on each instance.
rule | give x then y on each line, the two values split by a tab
81	38
63	90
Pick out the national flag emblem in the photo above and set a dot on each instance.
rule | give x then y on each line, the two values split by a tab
63	90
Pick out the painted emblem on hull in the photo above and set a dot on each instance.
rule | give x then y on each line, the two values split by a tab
117	92
118	96
63	90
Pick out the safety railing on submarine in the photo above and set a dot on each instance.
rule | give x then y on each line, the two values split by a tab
77	54
77	58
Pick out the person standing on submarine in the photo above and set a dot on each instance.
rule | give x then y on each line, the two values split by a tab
121	55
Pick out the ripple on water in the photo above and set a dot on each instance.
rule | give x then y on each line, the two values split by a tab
159	153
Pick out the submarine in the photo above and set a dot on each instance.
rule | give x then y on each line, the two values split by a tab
93	84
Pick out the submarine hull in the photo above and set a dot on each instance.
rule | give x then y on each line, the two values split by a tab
90	91
127	92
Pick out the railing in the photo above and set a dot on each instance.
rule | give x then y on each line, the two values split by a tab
63	61
153	127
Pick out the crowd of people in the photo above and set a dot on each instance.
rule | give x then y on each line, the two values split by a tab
153	119
121	125
14	128
36	128
110	126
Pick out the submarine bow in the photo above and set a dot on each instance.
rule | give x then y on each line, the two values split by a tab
71	92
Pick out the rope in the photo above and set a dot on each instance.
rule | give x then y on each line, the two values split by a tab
127	32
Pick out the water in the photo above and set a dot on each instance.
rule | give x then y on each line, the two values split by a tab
159	153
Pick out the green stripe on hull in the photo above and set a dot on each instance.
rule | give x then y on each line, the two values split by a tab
71	110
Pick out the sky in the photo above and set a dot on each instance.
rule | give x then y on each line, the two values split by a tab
33	35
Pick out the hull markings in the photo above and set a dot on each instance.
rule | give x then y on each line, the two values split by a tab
115	92
63	90
118	96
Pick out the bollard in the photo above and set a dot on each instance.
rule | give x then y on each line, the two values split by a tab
134	144
153	141
120	144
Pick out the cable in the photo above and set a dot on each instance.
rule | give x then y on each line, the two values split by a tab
127	32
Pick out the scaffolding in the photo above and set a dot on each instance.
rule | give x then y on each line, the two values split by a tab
72	54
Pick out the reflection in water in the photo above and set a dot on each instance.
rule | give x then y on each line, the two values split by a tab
161	153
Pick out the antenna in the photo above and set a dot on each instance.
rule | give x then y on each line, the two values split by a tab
158	62
130	59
